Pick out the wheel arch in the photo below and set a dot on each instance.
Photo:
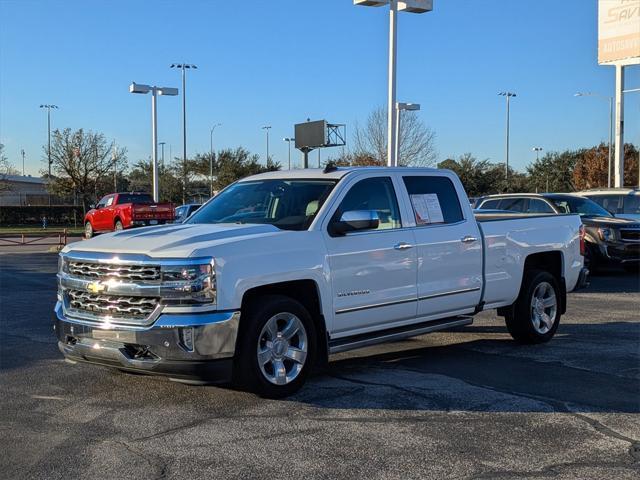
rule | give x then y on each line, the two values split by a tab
304	291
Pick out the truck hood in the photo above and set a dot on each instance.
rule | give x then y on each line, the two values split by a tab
609	222
172	241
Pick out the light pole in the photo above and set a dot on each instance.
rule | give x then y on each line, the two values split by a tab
538	150
211	130
49	107
184	67
610	152
412	6
400	106
155	91
508	96
289	140
162	144
22	153
267	128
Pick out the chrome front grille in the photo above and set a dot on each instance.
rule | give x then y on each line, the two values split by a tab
117	306
99	271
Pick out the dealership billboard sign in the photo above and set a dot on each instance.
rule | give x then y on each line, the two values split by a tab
618	30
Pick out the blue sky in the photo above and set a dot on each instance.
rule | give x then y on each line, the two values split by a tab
279	62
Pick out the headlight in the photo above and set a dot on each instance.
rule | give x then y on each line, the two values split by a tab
191	284
606	234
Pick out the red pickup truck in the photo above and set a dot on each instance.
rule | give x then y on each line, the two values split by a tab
118	211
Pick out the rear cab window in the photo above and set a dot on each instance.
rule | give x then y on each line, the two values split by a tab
434	199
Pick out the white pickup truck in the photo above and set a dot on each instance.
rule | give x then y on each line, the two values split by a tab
282	269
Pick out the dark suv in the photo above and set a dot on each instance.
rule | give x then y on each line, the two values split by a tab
608	239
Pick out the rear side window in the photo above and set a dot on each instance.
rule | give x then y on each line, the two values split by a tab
608	202
436	197
539	206
513	204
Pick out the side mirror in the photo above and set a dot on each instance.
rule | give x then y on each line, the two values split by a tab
356	220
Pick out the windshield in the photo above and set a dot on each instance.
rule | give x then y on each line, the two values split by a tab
286	204
134	198
582	206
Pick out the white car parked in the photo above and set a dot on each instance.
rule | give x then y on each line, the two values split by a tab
282	269
622	202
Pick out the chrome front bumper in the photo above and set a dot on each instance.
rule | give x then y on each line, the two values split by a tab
183	346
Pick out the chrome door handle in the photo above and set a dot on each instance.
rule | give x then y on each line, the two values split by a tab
402	246
468	239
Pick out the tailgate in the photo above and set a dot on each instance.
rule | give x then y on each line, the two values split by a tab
155	211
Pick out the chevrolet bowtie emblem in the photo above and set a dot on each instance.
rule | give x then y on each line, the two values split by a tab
96	287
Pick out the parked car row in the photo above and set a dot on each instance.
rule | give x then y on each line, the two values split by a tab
611	219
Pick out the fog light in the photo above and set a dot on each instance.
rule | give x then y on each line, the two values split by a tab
186	338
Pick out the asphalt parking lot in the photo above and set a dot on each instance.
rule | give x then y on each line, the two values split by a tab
463	404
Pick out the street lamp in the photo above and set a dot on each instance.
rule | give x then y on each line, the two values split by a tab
211	130
267	128
162	144
184	67
610	99
400	106
22	153
155	91
289	140
537	150
49	107
395	6
508	96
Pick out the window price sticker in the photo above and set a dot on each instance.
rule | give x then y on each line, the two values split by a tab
427	208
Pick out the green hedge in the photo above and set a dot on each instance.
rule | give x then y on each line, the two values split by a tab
33	215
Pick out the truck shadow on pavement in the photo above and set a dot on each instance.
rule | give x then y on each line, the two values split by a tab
575	372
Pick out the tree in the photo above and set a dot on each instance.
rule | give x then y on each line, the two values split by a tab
591	167
232	165
140	179
417	141
481	177
5	169
79	160
554	172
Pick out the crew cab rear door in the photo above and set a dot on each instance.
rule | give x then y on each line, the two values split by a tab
373	272
448	244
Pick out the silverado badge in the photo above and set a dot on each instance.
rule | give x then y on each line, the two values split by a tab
96	287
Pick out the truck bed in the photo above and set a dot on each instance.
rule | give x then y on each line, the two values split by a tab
510	238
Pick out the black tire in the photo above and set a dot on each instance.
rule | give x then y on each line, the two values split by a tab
88	230
118	227
521	317
592	258
247	372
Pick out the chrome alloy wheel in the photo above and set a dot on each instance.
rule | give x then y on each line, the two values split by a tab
282	348
544	307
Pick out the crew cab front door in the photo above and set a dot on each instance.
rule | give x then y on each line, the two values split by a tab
373	272
102	217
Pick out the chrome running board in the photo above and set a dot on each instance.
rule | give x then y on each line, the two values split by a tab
398	333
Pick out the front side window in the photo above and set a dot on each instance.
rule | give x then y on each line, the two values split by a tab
376	194
109	201
285	204
490	204
434	200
